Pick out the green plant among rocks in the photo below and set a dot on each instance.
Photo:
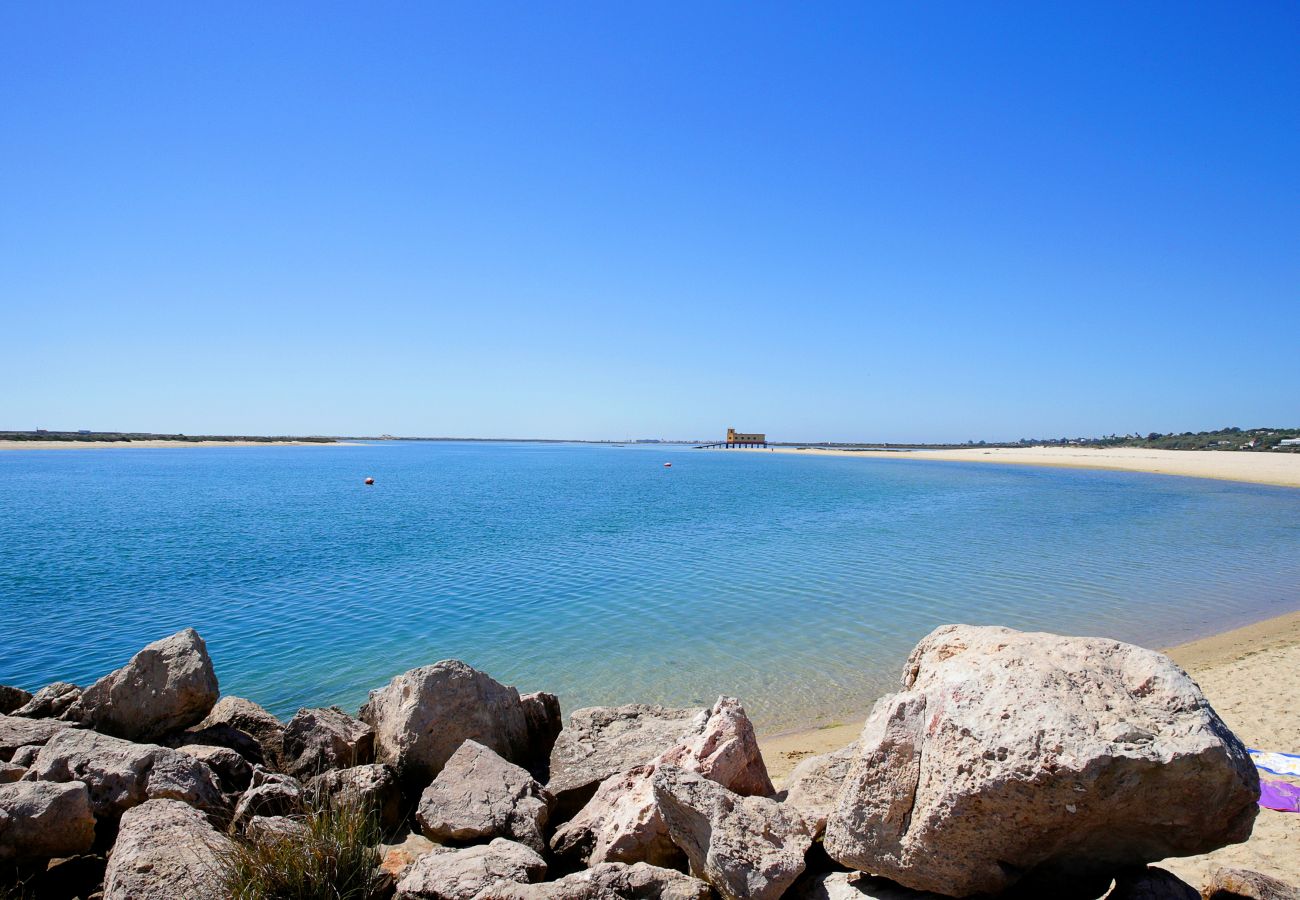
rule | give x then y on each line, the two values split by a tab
332	856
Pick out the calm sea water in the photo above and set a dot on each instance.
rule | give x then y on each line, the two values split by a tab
797	584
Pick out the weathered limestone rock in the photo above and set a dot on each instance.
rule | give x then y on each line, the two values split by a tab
374	785
9	773
1011	754
479	795
622	823
317	740
1151	884
270	794
395	860
25	755
241	725
748	848
602	741
815	783
50	702
461	874
42	821
167	686
852	886
275	828
120	774
1243	884
165	850
12	698
544	721
233	771
607	881
422	716
16	732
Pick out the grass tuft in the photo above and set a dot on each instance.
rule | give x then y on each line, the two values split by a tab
333	857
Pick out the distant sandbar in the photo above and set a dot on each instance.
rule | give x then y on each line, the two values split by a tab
157	445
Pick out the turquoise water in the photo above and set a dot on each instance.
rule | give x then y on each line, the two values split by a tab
798	584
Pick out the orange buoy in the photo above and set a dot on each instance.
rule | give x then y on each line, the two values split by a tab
370	481
668	465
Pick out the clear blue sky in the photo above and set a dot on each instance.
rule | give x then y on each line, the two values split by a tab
904	221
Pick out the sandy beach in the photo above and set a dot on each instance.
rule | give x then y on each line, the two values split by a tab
1251	676
1282	469
156	445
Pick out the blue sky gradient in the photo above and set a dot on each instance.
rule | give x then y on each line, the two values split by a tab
922	221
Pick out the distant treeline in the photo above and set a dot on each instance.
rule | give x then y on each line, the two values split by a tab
1248	439
128	436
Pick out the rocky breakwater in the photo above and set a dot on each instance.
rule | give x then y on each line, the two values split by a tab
1025	763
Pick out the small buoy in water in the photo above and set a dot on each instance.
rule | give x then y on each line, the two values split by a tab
370	481
668	465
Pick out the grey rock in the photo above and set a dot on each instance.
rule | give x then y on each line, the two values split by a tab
120	774
852	886
545	722
374	785
16	732
233	770
42	821
167	686
165	850
621	822
317	740
396	859
270	794
241	725
478	796
275	828
12	698
748	848
815	784
1068	759
9	773
1243	884
607	881
461	874
50	702
25	755
603	741
423	716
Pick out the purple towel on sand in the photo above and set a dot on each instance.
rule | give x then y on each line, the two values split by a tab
1279	795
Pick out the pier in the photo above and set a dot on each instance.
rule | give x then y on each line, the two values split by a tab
736	439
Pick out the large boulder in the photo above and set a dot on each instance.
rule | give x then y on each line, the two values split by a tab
622	823
16	732
12	698
422	716
244	727
120	774
461	874
1151	883
479	796
545	722
316	740
270	794
43	821
748	848
814	785
51	702
167	686
374	785
233	771
607	881
165	850
1009	755
602	741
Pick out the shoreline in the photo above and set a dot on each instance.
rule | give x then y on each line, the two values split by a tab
1215	662
1270	468
159	445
